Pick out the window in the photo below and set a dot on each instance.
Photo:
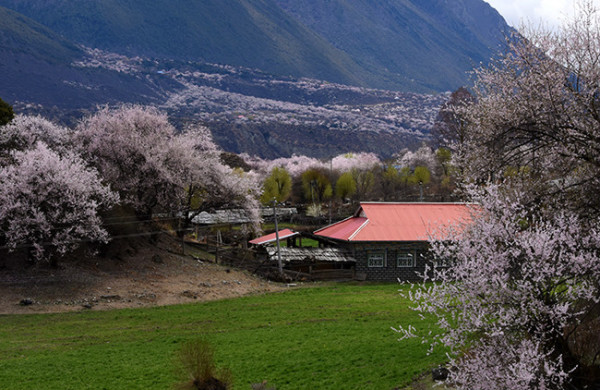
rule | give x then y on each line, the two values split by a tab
405	259
375	259
442	263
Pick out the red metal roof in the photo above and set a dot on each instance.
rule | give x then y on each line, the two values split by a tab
342	230
285	233
400	222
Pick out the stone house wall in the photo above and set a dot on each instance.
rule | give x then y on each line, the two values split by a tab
390	261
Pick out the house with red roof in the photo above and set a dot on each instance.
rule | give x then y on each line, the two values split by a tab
390	240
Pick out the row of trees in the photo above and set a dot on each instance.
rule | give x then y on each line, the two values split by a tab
57	185
520	306
424	173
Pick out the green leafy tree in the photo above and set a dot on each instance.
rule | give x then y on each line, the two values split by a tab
316	186
421	175
277	185
6	113
365	180
404	176
390	179
444	158
345	187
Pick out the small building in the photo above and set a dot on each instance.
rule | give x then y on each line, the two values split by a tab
311	262
390	241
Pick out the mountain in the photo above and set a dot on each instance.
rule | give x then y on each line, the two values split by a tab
23	36
269	77
408	45
249	33
415	44
39	71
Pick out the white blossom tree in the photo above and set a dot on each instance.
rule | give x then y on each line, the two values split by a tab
23	132
519	307
155	168
50	203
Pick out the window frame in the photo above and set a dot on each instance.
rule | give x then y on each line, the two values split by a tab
443	263
406	254
376	254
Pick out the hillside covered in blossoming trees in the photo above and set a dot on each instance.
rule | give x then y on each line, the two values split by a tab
249	111
268	78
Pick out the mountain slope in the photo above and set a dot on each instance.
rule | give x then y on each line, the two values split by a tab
409	45
422	44
250	33
37	68
23	36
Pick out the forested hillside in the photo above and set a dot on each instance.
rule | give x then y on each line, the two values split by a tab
409	45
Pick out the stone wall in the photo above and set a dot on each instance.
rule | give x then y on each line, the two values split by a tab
390	271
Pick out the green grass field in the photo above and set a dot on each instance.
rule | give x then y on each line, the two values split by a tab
334	336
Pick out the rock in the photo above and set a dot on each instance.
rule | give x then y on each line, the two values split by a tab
87	305
189	294
210	384
113	297
439	374
26	302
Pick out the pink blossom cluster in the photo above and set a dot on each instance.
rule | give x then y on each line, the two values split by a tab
50	198
518	287
518	305
155	168
424	156
296	165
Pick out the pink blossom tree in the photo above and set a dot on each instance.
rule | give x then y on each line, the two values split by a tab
518	307
537	106
349	161
155	168
130	148
23	132
50	203
296	165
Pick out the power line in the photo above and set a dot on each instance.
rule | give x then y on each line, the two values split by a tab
120	236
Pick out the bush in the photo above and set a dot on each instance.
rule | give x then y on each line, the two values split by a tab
198	370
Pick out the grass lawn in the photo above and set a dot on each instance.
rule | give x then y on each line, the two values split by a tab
334	336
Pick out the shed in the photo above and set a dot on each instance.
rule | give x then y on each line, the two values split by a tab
270	238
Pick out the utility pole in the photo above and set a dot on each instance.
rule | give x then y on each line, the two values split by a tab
330	198
279	264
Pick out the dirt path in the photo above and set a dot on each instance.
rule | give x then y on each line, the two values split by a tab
151	276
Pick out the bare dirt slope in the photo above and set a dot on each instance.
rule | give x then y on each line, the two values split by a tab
146	275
